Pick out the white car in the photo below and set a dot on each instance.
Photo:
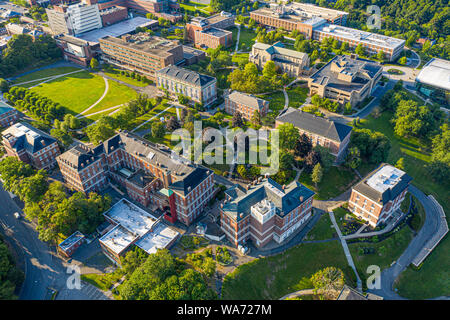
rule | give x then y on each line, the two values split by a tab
17	215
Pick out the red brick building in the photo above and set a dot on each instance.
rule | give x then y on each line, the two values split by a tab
77	50
379	194
30	145
209	32
324	132
113	15
151	176
8	115
245	104
264	211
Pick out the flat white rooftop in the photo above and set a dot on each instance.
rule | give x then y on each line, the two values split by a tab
159	238
118	239
131	217
117	29
436	73
385	178
360	36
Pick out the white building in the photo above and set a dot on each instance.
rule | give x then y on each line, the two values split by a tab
74	19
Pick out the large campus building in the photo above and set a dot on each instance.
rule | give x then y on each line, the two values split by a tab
209	32
141	52
346	79
433	81
74	19
245	104
198	87
379	195
75	49
291	62
132	226
149	173
264	211
319	23
324	132
297	16
30	145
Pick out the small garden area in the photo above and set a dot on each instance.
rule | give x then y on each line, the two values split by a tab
223	256
348	223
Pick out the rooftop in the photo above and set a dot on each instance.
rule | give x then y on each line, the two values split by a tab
5	107
247	99
158	238
216	32
318	125
278	48
144	42
346	74
360	36
71	240
117	29
27	137
186	75
436	73
383	184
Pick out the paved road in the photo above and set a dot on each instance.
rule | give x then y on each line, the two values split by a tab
430	227
42	268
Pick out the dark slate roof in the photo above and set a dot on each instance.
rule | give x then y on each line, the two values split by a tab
81	156
247	99
28	137
186	75
318	125
389	194
285	200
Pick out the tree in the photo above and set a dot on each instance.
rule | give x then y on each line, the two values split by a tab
373	146
353	158
256	118
381	55
311	160
326	158
242	171
440	157
289	136
402	60
360	50
158	130
317	173
400	163
172	124
255	5
329	282
270	69
412	120
94	63
4	86
237	121
303	146
316	100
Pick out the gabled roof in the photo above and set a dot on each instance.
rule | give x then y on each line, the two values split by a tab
247	99
318	125
278	48
28	138
186	75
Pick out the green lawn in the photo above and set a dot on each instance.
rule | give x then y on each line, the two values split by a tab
45	73
240	58
275	276
103	281
323	229
76	91
386	251
432	279
192	6
114	73
117	94
276	100
297	96
246	39
334	182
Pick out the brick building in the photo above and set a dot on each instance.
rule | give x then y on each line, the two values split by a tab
8	115
76	50
30	145
152	175
209	32
264	212
346	79
141	52
376	197
245	104
291	62
297	16
198	87
324	132
113	15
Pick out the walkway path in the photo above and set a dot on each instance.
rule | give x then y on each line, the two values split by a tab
237	41
98	101
346	251
297	294
47	78
104	110
142	124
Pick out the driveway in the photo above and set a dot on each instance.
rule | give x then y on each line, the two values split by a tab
430	227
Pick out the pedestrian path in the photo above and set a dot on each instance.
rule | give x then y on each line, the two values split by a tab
346	251
98	101
92	292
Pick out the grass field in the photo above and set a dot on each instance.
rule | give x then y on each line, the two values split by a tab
276	100
192	6
246	39
297	96
114	73
386	251
275	276
45	73
334	182
323	229
432	279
